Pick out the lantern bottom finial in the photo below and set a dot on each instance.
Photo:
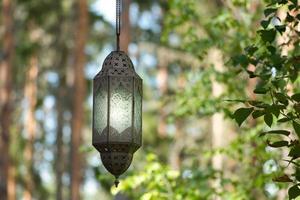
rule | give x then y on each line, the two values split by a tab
117	181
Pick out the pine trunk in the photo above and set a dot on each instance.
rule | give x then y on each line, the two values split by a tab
60	153
218	129
162	79
30	124
7	172
180	135
78	107
125	26
59	168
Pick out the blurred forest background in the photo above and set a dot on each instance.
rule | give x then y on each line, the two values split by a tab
205	64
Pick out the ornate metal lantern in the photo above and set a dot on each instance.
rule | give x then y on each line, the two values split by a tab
117	112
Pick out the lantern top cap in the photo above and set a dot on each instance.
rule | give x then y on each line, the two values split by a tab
117	63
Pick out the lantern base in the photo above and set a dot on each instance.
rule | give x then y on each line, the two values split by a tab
116	162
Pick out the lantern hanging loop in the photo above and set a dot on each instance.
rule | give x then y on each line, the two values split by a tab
118	22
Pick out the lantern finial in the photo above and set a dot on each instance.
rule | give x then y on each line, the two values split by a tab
117	181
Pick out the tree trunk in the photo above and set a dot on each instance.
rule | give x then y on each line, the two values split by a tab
125	26
78	107
7	170
61	106
60	165
59	168
218	124
217	118
30	124
177	146
162	79
179	138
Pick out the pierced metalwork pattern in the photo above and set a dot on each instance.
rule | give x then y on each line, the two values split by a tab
117	116
117	63
116	162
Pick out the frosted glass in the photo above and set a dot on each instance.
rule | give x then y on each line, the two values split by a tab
121	108
100	106
138	111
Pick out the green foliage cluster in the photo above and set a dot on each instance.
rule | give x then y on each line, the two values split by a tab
275	56
158	181
229	29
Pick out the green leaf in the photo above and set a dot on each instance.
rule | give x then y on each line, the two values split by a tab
289	18
251	49
282	1
297	107
278	144
241	59
268	118
292	7
296	126
294	192
260	90
285	119
255	103
297	175
258	113
294	152
268	35
281	28
271	49
269	11
265	23
279	132
281	98
241	114
295	2
296	97
274	109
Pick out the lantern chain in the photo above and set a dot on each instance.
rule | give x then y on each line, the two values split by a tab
118	22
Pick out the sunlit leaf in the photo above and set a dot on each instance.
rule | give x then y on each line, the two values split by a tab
294	192
278	144
268	35
268	118
241	114
258	113
296	126
269	11
277	132
296	97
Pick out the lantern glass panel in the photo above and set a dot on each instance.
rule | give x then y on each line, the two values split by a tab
100	106
138	112
121	104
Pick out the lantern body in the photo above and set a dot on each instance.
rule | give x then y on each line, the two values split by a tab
117	112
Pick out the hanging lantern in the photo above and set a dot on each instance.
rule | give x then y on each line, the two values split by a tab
117	110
